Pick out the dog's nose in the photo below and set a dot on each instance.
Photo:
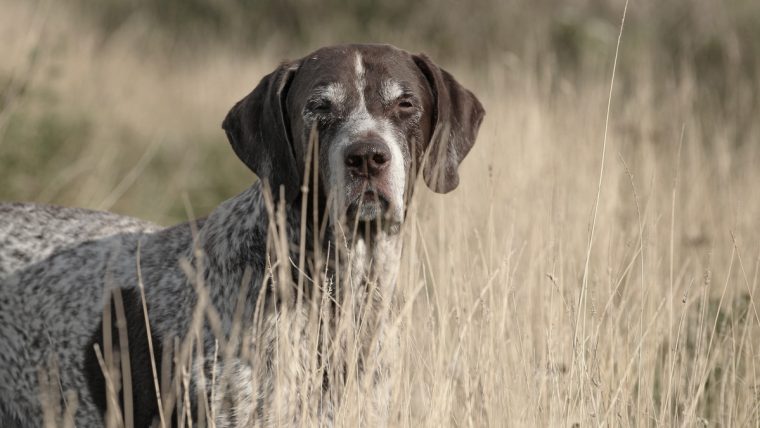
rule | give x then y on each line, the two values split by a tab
367	158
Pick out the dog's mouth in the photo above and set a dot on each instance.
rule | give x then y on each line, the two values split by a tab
370	212
368	205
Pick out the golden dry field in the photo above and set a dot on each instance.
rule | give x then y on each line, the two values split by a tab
598	264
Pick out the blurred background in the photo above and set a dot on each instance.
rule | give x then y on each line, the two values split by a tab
93	91
117	105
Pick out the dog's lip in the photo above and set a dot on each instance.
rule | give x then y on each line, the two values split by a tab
369	196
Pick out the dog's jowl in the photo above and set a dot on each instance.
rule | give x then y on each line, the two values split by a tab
268	309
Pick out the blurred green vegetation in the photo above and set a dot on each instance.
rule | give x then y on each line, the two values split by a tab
58	139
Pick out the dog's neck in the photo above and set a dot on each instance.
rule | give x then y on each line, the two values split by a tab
363	264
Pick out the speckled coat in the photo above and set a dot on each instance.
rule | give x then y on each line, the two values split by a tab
58	287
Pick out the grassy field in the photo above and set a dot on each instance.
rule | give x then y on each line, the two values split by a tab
586	272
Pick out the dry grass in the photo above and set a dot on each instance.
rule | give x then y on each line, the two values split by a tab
507	326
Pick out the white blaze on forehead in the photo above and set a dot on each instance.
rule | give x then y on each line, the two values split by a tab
390	90
360	83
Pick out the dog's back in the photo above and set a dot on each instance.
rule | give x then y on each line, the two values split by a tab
30	233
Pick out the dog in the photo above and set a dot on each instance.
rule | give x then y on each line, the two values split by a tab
97	308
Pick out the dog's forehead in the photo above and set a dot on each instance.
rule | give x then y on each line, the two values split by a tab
373	64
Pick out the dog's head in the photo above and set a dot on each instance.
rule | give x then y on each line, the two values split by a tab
379	114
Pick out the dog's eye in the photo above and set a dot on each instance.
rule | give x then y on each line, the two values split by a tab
405	104
321	106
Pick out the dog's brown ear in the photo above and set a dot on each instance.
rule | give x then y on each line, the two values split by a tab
259	132
456	119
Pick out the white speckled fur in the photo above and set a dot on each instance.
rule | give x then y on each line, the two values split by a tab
54	289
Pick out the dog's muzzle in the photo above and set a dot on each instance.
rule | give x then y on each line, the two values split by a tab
367	163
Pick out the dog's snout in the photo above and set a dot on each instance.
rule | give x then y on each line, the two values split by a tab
367	158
